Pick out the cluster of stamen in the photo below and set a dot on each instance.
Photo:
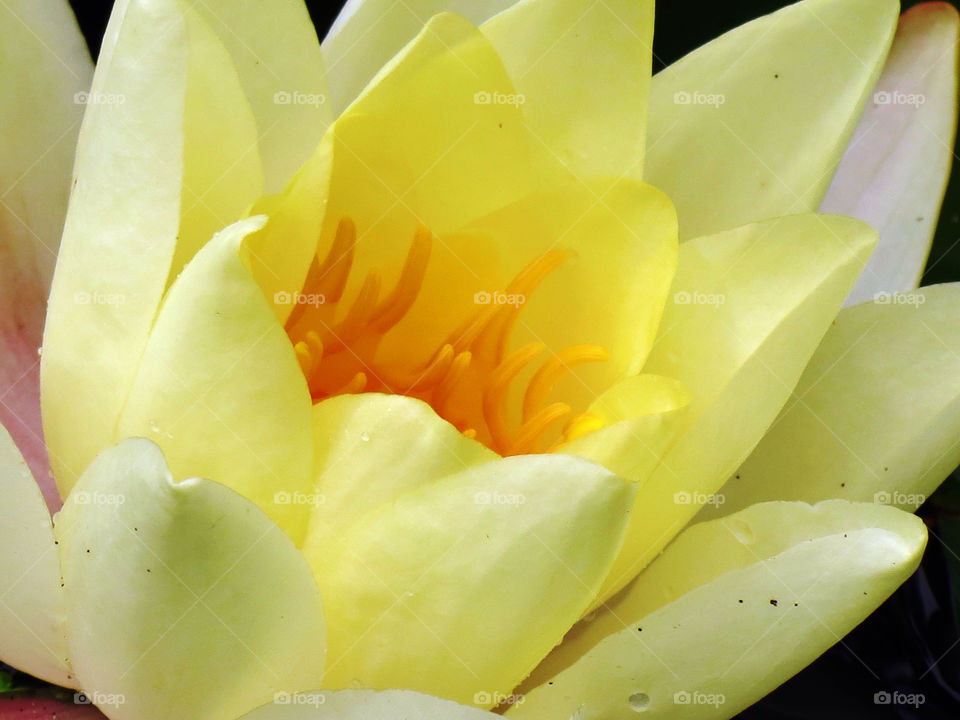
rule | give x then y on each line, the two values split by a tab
468	378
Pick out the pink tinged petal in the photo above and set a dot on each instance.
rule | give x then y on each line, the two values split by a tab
41	709
44	63
894	173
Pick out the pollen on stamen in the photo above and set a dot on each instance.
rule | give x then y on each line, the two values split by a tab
468	378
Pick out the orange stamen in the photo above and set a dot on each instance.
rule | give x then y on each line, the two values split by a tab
469	376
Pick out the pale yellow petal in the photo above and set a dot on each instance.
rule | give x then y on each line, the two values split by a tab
219	387
372	448
752	124
127	207
749	307
730	611
461	586
183	599
876	414
33	633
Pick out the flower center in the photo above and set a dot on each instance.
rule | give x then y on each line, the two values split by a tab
469	377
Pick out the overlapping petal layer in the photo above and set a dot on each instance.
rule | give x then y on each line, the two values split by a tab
33	634
367	33
183	599
217	366
462	585
45	70
551	49
875	416
894	173
135	199
752	124
766	590
749	307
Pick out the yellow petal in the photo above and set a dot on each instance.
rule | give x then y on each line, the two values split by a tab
641	417
418	147
461	586
275	50
749	307
364	705
731	610
173	594
894	173
752	124
367	33
555	51
217	366
126	209
876	414
44	69
33	634
370	449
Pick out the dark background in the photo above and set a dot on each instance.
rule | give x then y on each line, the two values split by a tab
912	643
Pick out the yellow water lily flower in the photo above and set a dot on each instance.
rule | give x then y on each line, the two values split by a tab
461	319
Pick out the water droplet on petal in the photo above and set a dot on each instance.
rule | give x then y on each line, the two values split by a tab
639	702
365	437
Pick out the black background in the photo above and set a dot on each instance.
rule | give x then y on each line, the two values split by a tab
911	644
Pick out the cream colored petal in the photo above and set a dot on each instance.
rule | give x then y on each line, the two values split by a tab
218	367
133	197
876	414
894	173
752	125
730	611
749	307
33	634
183	599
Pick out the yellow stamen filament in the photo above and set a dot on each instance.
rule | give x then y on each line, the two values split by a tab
553	370
581	425
534	429
469	377
356	385
431	375
335	270
441	396
360	313
495	393
315	345
408	286
305	358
